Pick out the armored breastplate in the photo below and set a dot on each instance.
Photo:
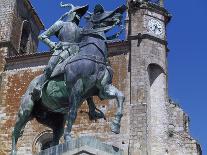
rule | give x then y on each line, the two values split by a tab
70	32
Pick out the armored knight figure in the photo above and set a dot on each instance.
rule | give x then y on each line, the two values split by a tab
66	30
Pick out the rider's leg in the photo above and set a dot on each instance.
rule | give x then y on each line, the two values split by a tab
36	93
52	63
111	92
23	117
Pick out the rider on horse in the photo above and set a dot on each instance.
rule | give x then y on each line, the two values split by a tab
66	29
68	32
86	71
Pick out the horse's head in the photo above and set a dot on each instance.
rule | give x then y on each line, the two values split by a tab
75	12
101	18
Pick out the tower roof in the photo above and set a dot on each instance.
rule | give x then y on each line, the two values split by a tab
34	14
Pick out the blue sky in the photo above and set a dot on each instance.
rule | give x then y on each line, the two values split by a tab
187	37
188	61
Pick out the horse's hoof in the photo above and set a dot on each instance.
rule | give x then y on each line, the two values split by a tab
13	152
115	127
96	115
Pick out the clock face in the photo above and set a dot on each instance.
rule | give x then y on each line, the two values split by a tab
156	27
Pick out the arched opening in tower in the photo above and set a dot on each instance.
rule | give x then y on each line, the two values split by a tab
157	109
24	37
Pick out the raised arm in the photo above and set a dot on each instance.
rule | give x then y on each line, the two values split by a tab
45	36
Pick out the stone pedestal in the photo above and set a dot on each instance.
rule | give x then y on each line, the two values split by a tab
83	146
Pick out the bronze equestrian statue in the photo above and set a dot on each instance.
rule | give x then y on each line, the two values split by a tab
77	71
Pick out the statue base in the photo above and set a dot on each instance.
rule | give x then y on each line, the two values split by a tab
83	146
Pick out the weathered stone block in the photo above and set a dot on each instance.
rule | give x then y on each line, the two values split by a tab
83	146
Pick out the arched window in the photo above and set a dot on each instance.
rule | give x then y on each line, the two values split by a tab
158	120
154	71
42	141
24	37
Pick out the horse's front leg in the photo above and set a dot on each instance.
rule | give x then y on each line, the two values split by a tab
70	121
111	92
75	100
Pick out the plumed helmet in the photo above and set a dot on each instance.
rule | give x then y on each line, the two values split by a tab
75	11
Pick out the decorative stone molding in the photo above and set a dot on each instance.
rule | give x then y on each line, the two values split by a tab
140	37
43	139
83	146
134	5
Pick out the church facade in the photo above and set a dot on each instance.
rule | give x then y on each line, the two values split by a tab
152	123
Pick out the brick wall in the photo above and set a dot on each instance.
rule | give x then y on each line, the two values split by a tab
14	84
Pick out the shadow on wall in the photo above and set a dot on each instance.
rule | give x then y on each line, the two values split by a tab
154	71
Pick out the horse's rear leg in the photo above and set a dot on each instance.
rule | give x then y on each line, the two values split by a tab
111	92
58	130
23	117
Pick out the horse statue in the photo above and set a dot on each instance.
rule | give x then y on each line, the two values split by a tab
73	80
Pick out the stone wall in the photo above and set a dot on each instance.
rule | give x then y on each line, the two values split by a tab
14	84
6	16
179	138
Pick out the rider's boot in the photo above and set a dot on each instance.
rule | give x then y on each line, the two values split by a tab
36	94
96	114
37	90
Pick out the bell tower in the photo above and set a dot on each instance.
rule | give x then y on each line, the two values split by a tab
157	125
19	29
148	67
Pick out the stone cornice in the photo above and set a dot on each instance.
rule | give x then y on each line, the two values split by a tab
134	5
34	14
37	59
140	37
28	56
118	48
